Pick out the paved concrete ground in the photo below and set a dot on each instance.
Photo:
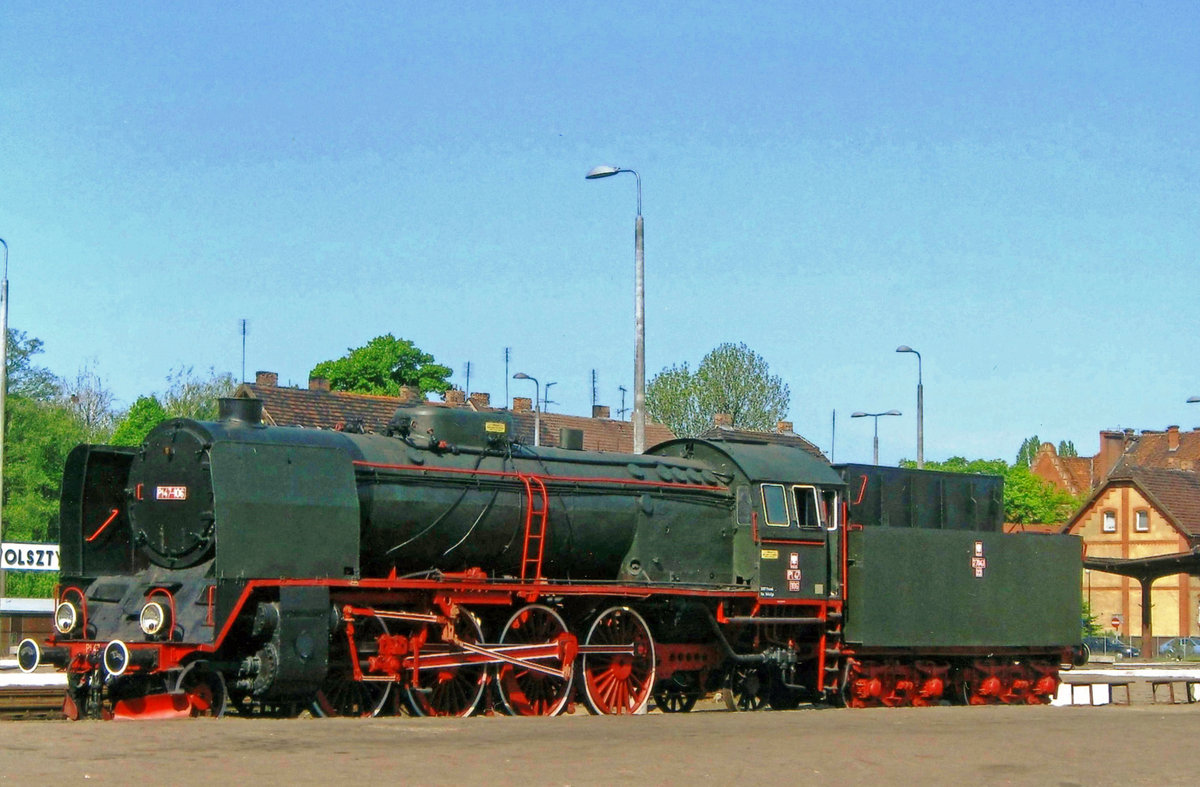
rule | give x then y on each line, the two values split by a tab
1153	745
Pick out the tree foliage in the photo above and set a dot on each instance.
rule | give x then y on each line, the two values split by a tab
732	379
1028	499
25	378
382	366
195	397
1028	451
145	414
1067	448
92	405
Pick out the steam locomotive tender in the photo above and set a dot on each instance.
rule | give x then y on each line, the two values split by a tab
446	568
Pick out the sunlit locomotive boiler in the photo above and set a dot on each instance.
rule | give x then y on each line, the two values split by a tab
444	568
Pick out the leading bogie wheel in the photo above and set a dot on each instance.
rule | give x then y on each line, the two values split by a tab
746	687
340	694
619	681
205	688
449	690
524	691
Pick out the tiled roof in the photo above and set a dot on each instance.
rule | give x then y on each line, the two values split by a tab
599	434
778	438
1152	449
1079	470
318	409
1175	493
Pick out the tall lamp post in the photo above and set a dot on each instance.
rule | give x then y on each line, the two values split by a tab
904	348
876	416
639	312
3	389
1191	399
537	406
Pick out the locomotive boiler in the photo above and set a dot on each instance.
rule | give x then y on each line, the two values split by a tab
444	568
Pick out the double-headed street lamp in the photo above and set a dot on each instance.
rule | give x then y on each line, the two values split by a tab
904	348
876	416
537	406
639	312
1191	399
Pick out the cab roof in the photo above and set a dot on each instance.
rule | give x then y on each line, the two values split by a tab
758	461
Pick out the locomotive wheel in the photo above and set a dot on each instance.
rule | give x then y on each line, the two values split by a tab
616	683
206	687
746	687
450	691
675	698
340	694
525	692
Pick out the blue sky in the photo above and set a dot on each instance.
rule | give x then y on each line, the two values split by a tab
1008	188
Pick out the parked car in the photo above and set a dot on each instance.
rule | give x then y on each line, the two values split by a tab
1180	648
1111	646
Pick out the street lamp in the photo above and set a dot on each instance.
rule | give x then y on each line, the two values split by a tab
3	389
639	312
1191	399
537	406
876	416
904	348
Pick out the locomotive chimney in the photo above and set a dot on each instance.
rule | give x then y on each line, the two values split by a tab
237	410
266	379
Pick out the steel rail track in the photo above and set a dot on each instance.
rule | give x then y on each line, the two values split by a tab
31	702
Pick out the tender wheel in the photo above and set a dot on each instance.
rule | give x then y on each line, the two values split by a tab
619	682
746	687
523	691
205	688
341	694
449	691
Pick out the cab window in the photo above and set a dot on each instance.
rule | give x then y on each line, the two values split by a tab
807	508
775	505
829	498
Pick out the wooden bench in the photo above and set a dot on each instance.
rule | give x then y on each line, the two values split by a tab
1111	684
1189	686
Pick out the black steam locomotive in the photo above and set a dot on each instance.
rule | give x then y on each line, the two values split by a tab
445	568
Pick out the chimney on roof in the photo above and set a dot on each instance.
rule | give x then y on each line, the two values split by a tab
522	404
266	379
784	427
454	397
481	401
601	411
410	393
1172	438
1112	445
722	419
318	383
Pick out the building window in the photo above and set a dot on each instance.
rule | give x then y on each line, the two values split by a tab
1110	522
1141	522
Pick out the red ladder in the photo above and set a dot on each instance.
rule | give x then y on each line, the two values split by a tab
537	509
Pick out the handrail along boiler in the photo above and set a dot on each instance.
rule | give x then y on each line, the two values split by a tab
447	568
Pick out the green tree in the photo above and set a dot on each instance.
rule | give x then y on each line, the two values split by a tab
732	379
195	397
145	414
1067	448
381	366
38	437
25	378
92	405
1028	450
